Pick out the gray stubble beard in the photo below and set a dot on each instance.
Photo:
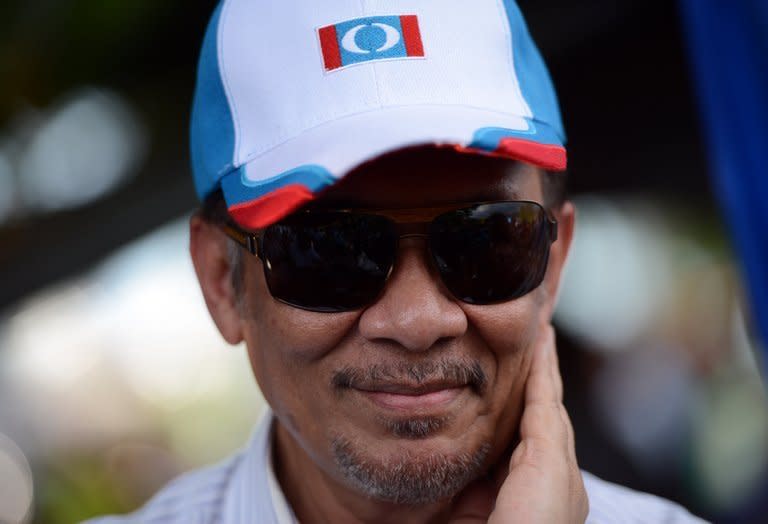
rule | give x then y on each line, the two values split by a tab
409	479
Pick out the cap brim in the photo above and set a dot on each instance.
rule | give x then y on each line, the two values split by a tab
275	182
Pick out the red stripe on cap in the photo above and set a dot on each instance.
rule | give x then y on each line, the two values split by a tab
412	35
270	208
329	42
548	156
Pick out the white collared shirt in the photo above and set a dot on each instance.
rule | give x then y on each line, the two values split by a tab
244	490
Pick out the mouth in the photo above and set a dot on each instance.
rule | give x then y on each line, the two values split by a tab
413	398
424	389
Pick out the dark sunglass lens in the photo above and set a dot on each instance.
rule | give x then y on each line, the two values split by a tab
492	252
328	261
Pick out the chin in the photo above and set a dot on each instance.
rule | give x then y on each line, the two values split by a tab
416	469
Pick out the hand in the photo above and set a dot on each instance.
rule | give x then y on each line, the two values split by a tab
543	484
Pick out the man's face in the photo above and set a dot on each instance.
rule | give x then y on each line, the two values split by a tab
414	396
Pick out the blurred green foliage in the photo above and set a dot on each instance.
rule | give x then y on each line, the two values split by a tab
77	488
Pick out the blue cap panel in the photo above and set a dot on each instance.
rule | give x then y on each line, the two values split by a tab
238	190
535	81
488	138
212	127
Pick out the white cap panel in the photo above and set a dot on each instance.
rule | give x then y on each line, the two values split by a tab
468	62
292	66
468	57
368	135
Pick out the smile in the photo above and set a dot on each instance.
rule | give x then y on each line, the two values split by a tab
422	398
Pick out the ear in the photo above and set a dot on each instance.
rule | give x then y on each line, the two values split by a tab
566	222
209	249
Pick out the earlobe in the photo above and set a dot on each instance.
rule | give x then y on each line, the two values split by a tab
566	220
209	250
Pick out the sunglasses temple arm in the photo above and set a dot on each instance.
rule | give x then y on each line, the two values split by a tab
246	240
553	230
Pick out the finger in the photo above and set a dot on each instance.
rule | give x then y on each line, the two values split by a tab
555	366
544	416
544	384
578	493
544	483
570	437
557	380
543	423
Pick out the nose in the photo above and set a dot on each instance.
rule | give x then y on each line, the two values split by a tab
414	310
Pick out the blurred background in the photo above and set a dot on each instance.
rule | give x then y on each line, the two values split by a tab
113	379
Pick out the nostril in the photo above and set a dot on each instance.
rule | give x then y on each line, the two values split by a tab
413	317
443	342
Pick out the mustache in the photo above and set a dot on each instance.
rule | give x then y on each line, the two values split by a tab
459	372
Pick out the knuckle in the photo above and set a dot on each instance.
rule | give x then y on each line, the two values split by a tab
541	455
533	452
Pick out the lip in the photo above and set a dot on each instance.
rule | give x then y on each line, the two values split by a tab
413	399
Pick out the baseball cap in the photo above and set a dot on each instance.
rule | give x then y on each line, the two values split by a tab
293	95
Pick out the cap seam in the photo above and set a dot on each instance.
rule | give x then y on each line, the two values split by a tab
507	28
225	82
364	13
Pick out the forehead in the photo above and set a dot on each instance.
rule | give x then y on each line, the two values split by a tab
424	176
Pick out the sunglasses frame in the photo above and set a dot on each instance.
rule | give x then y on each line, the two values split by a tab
412	222
251	241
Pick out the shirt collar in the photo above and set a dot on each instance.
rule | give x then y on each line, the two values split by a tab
254	492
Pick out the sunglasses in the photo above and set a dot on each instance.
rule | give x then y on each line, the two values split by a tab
340	260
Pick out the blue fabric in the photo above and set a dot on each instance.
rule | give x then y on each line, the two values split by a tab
489	138
370	38
728	43
237	189
535	82
212	130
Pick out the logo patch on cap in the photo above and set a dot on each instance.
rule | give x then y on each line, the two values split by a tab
370	39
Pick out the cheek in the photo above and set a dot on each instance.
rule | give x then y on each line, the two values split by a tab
297	336
287	346
301	338
510	328
509	332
